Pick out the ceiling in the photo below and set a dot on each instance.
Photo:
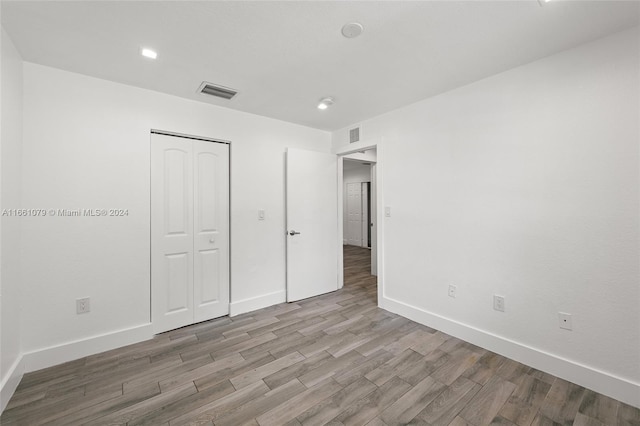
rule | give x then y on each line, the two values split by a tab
349	164
283	57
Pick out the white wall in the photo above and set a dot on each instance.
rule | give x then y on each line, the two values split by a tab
526	185
356	172
86	145
10	184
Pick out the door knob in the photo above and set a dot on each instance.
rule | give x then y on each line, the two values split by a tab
292	232
211	240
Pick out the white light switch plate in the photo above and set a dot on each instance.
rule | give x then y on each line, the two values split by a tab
452	291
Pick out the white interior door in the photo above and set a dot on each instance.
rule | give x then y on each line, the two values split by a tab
171	232
312	223
189	231
211	230
354	214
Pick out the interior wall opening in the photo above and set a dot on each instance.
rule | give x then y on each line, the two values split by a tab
359	219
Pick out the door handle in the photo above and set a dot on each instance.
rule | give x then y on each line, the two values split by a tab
212	240
292	232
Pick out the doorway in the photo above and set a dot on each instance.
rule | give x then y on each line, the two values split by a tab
359	220
307	171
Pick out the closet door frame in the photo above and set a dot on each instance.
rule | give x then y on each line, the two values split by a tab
162	234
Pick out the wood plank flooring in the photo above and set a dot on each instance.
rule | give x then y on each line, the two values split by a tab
334	359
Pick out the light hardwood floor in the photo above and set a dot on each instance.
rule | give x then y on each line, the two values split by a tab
334	359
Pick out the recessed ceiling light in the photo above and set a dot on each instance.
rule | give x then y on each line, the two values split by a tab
542	2
325	103
148	53
352	30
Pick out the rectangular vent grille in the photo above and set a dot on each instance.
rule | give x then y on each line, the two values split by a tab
354	135
218	91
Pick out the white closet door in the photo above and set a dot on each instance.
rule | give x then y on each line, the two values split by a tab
189	231
211	225
171	232
354	214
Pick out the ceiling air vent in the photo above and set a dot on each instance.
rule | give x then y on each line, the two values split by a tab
354	135
216	90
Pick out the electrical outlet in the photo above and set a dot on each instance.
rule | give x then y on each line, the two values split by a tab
498	303
452	291
565	321
83	305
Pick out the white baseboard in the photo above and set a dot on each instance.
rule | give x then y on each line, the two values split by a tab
599	381
258	302
54	355
11	382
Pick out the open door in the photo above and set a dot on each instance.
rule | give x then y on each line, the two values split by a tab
312	223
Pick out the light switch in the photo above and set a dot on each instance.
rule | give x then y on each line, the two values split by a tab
387	211
260	214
